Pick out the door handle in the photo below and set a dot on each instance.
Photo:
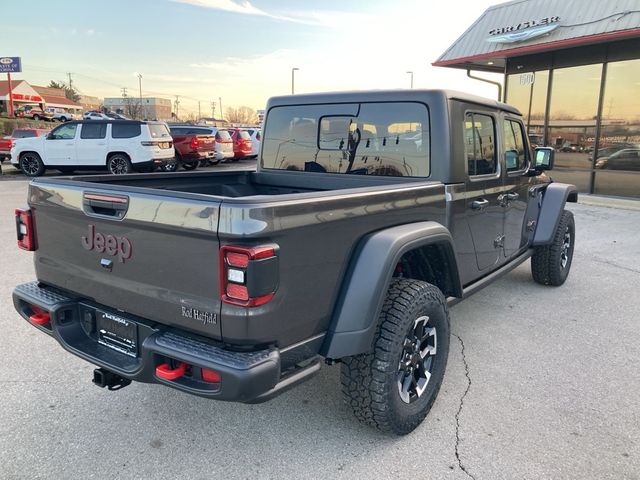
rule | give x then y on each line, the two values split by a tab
479	204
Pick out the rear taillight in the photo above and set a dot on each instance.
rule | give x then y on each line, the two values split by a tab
248	275
25	229
258	136
195	143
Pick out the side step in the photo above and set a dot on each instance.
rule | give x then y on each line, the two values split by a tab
290	380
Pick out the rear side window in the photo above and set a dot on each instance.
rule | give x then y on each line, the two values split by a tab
23	133
158	130
223	136
385	139
125	130
479	143
515	154
93	130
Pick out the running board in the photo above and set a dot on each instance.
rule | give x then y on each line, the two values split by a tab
492	277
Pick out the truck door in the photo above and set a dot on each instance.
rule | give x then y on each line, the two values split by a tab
516	183
484	187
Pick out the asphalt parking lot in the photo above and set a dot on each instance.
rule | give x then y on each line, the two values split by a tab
542	383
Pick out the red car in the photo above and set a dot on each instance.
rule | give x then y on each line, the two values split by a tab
241	143
7	142
193	145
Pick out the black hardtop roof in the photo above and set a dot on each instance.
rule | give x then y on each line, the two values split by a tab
425	96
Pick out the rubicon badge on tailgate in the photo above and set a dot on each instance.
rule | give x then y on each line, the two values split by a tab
119	247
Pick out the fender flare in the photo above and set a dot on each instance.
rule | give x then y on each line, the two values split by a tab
554	199
365	284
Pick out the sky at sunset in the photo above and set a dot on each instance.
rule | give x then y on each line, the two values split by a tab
238	50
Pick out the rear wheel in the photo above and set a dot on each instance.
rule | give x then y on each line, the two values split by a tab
31	164
119	164
36	117
550	264
191	165
394	386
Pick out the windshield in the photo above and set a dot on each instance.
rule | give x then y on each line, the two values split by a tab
158	130
389	139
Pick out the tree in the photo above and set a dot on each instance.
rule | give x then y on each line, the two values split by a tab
69	92
241	115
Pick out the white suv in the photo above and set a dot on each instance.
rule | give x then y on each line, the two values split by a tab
60	114
120	146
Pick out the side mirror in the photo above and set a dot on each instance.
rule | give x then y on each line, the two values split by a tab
50	136
544	158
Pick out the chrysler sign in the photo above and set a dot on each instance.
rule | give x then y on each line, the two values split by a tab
523	31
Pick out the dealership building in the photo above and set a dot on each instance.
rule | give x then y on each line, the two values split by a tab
572	68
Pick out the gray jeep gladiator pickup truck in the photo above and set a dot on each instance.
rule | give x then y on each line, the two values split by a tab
369	214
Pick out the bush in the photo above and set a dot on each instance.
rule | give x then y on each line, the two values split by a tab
7	125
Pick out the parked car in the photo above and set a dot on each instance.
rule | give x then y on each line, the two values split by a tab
60	114
93	115
6	143
32	111
254	133
193	145
116	145
241	143
223	142
116	116
625	159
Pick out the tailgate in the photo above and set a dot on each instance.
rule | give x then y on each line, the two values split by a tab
206	142
152	255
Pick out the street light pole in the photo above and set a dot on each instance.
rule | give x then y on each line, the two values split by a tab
293	79
411	73
140	84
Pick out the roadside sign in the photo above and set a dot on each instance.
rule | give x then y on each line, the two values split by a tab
10	65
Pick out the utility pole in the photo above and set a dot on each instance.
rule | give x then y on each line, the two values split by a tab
411	73
140	84
199	114
70	81
293	79
221	110
177	105
124	92
213	110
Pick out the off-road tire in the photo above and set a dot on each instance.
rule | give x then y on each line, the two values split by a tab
119	164
370	380
547	261
31	164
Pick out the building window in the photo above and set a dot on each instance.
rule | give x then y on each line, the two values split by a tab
618	158
527	92
572	122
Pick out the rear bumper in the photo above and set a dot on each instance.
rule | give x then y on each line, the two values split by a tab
197	156
252	376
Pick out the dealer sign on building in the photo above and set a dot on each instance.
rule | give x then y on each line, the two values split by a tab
10	65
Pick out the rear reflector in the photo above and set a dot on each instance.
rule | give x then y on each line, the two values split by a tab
210	376
25	229
41	318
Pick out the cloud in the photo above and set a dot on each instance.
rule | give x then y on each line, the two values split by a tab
91	31
242	7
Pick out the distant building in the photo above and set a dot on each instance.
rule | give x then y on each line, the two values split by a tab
90	103
152	108
55	97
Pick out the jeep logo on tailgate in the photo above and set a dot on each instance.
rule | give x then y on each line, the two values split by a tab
111	245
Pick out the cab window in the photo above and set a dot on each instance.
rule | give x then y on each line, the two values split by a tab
479	142
515	152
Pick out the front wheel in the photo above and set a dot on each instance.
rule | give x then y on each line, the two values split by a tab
36	117
119	164
550	264
394	386
31	164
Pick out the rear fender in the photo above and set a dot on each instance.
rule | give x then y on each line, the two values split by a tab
365	285
555	197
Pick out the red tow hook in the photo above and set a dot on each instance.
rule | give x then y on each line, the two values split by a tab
165	371
40	318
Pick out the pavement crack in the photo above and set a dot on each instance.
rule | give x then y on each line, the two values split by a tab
457	417
614	264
